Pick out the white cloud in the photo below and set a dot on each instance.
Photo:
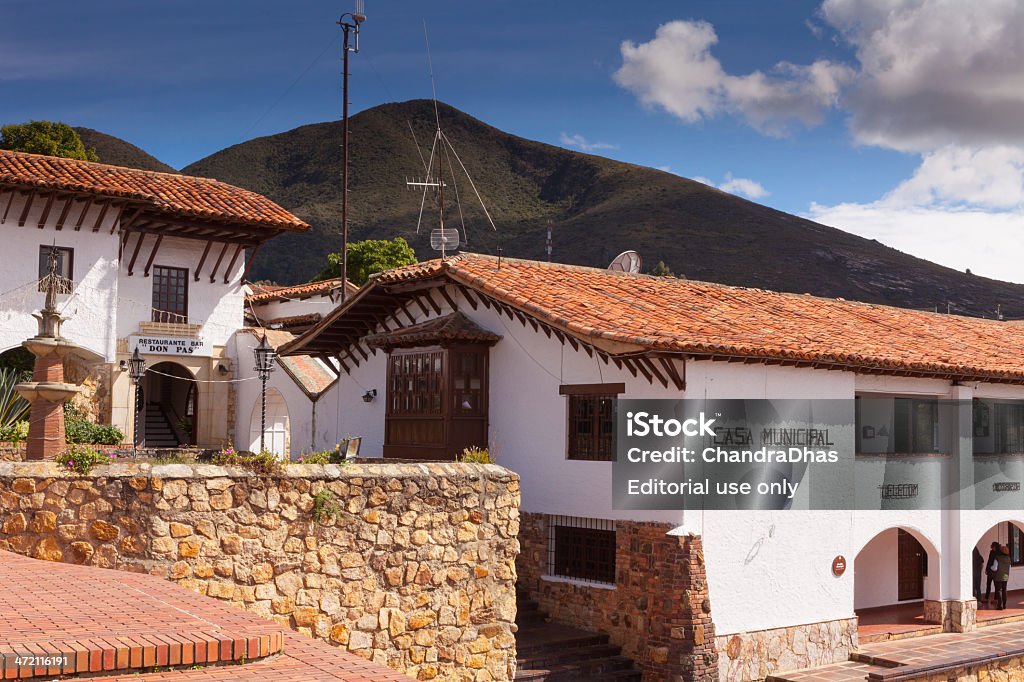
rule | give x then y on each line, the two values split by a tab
990	177
743	186
579	142
746	187
989	243
677	72
933	73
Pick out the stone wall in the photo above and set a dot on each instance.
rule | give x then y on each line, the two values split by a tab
754	655
411	565
658	611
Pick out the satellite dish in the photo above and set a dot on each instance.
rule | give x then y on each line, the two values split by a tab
446	239
627	261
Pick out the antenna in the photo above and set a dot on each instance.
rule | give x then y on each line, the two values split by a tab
441	238
357	16
627	261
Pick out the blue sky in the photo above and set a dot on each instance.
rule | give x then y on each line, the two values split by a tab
884	117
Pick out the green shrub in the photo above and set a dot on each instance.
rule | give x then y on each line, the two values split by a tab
261	463
325	505
475	455
82	459
13	408
78	429
15	432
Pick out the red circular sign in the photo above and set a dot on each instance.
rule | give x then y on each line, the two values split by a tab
839	565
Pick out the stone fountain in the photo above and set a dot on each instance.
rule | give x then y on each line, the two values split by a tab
47	392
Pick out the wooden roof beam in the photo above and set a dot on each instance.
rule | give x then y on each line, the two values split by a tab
202	259
152	255
46	210
7	209
135	254
447	297
26	209
231	265
101	216
64	212
466	294
249	261
85	210
216	266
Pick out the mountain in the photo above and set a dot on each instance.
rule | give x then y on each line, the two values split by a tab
597	208
117	152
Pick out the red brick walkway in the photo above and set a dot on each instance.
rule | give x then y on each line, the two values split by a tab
80	619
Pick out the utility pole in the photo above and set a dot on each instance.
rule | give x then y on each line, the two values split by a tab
348	28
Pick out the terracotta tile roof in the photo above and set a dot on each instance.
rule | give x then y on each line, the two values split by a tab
713	320
451	327
168	193
265	293
307	373
293	321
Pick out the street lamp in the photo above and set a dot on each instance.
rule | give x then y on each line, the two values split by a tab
265	357
349	22
136	370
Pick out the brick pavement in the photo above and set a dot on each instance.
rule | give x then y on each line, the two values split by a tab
85	620
919	656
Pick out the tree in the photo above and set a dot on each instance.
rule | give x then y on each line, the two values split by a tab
369	257
662	270
45	137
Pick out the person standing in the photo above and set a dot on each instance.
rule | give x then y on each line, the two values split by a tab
1002	576
977	564
990	570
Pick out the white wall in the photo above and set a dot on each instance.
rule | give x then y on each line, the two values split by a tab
107	304
292	307
765	569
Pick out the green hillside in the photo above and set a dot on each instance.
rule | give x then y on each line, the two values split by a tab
117	152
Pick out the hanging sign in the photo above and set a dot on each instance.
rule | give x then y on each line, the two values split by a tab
158	345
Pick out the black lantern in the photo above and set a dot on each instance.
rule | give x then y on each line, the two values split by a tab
136	370
370	395
265	356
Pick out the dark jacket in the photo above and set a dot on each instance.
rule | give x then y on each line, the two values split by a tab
1003	572
993	554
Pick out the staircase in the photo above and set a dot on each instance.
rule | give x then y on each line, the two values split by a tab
559	653
159	433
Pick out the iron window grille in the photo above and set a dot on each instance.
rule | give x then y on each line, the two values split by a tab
582	549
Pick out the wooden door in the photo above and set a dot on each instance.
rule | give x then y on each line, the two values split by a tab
911	567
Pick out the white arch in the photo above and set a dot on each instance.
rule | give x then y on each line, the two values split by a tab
876	568
277	435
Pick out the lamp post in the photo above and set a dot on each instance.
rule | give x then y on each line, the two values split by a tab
265	357
349	22
136	370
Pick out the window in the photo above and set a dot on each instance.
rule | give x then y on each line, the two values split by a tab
1016	544
1009	428
65	263
592	420
897	425
170	294
583	549
416	383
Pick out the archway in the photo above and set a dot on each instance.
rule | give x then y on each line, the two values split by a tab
169	406
1007	534
277	435
895	573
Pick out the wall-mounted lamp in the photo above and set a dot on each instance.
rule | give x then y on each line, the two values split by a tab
370	395
221	369
123	365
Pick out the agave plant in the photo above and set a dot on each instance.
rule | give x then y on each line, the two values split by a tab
13	408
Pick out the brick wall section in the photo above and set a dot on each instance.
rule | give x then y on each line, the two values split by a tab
659	611
415	570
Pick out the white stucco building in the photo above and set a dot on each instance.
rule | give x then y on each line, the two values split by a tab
525	357
156	261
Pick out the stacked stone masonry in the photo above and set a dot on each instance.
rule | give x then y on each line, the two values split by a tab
749	656
410	565
658	611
